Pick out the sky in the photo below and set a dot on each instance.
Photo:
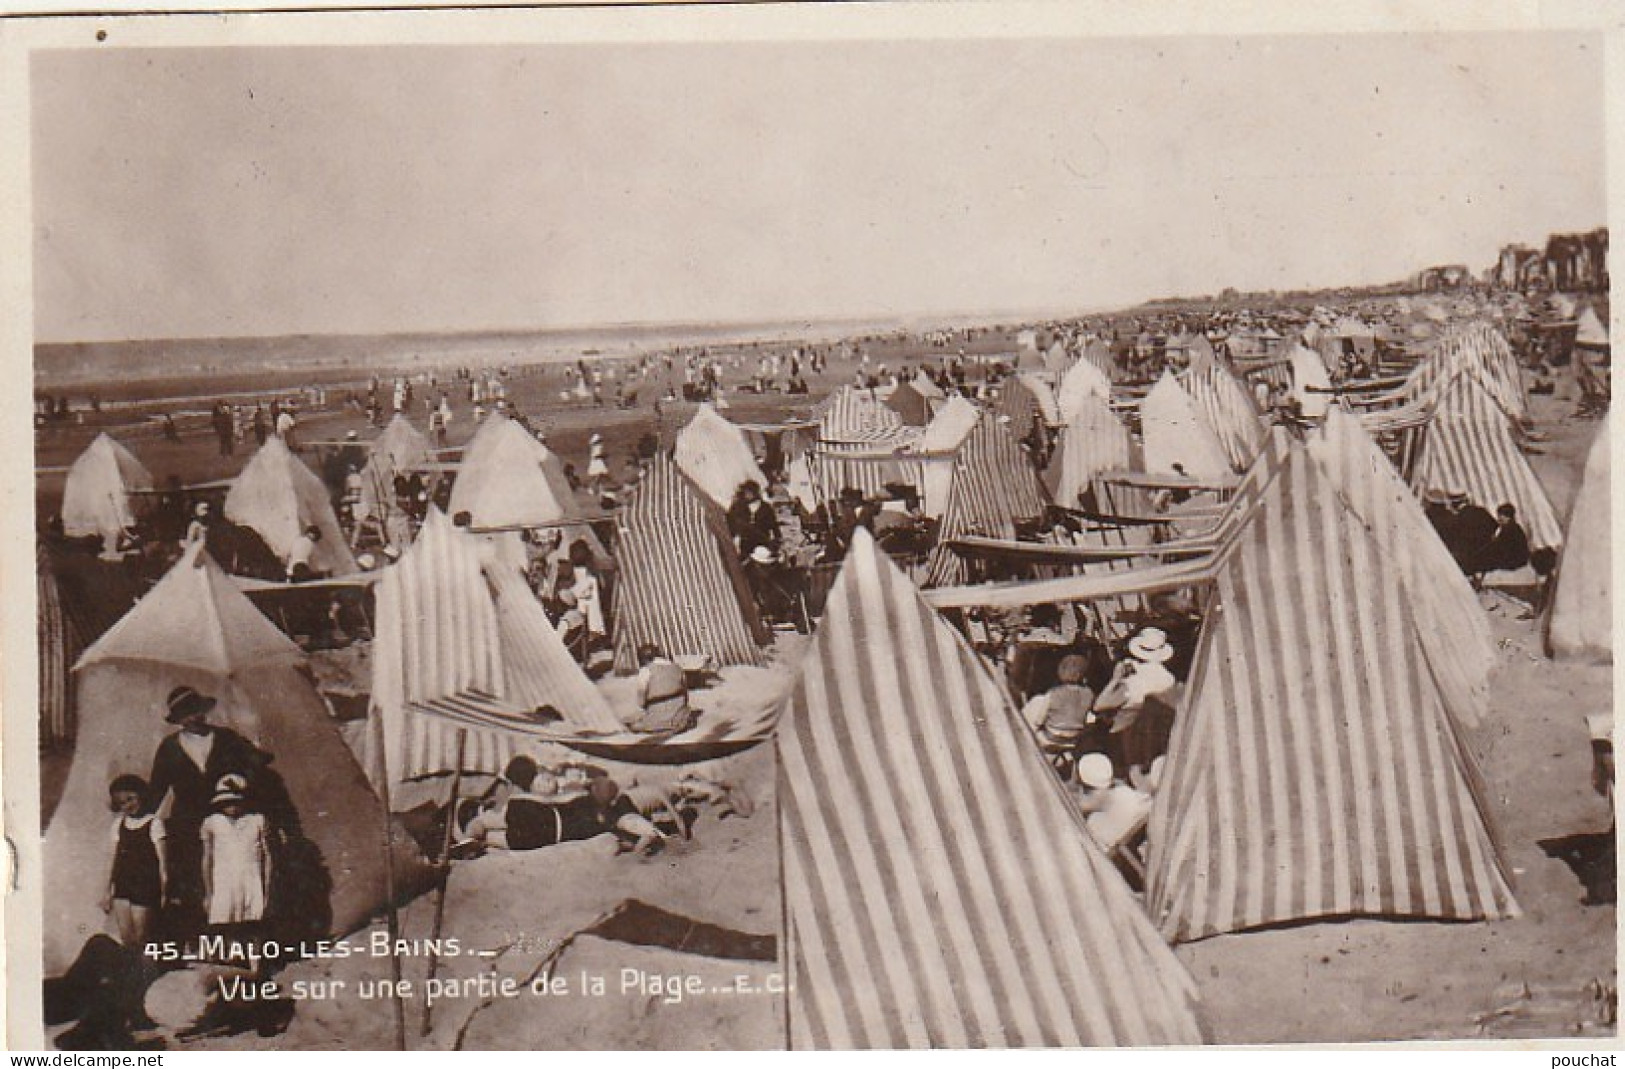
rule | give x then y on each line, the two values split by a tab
263	191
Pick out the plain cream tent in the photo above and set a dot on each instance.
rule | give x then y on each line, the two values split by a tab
1309	377
1581	626
1590	331
1083	379
716	456
937	447
278	497
196	629
1176	433
96	500
509	479
400	448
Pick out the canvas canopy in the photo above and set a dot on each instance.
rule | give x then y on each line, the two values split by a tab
277	496
96	499
1581	624
940	888
859	445
680	585
1324	776
717	456
195	628
1590	331
1177	435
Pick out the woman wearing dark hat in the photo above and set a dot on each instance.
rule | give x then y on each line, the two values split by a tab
186	767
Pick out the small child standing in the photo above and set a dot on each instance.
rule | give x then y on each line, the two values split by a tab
136	877
236	857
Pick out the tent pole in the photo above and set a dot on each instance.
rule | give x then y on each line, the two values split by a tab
393	914
445	872
784	891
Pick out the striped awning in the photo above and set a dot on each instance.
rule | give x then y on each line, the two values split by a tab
940	888
495	732
1316	771
59	646
994	487
680	586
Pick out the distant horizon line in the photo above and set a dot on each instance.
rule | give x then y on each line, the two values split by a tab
646	325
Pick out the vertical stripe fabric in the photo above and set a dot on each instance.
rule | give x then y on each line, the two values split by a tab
1094	440
436	635
941	890
1471	446
994	487
1455	635
1316	771
1229	411
852	424
680	585
59	647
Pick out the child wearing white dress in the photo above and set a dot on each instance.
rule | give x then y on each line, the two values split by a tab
236	857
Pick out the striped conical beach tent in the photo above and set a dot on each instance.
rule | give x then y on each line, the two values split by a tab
859	445
994	488
1471	446
1094	440
59	647
1316	770
680	585
463	646
940	888
1229	411
1025	401
1455	634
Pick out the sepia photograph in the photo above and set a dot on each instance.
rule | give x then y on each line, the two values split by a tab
811	529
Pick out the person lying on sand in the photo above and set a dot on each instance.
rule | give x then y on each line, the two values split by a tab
535	814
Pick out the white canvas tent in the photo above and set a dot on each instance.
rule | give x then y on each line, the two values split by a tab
716	455
96	500
937	446
1176	433
1581	625
196	629
278	497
